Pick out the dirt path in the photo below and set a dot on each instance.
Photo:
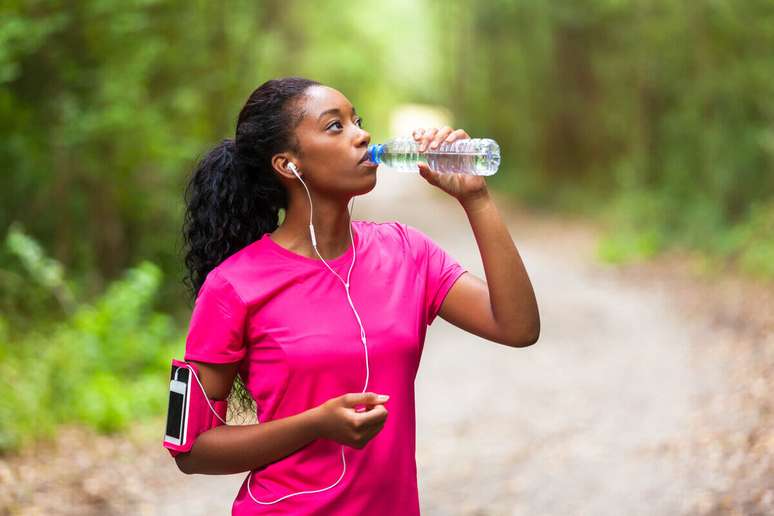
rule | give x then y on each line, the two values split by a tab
600	417
579	423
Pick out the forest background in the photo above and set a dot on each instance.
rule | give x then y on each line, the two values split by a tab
653	119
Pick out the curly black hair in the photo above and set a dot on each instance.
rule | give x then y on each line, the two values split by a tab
233	196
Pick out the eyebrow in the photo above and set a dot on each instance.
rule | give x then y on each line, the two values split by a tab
334	110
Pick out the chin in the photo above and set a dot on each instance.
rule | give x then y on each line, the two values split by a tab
370	185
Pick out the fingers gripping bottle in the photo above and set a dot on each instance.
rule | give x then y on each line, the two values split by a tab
472	156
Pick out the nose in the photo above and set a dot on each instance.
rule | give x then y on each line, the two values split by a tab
363	138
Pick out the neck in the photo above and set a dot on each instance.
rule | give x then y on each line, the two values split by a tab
331	222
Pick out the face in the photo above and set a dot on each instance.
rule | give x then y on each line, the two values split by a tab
332	142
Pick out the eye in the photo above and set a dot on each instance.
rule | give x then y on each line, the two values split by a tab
359	123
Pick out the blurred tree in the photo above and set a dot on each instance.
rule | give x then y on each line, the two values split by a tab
627	100
105	107
665	107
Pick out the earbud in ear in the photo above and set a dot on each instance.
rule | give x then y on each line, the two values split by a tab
292	166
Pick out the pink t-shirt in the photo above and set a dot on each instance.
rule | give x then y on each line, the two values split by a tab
287	319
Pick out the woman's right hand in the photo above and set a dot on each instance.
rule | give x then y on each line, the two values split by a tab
339	420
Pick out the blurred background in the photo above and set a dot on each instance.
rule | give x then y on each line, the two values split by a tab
650	121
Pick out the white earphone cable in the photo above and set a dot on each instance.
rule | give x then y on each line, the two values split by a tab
362	338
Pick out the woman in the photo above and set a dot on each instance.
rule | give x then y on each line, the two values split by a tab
315	350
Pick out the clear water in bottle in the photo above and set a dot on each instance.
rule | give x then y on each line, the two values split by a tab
473	156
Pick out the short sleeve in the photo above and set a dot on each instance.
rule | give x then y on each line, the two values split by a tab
216	330
440	268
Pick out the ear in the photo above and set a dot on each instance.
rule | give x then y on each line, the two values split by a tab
279	162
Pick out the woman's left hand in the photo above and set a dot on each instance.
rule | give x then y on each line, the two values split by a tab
463	187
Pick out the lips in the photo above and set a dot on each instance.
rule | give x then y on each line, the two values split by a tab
364	158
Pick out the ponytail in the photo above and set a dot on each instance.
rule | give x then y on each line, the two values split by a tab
224	212
234	196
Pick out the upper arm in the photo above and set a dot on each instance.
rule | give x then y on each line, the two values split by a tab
467	306
215	341
217	379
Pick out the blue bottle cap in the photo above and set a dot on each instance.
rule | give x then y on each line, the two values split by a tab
375	152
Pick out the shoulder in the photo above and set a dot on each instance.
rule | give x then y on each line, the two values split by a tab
217	284
227	277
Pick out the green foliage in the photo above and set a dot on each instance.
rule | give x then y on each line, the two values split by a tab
48	273
754	241
660	112
646	223
105	365
656	117
105	106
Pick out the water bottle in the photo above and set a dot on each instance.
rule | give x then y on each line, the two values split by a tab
472	156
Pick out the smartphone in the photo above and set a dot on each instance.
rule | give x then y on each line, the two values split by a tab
179	402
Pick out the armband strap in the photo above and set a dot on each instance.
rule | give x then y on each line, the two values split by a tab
200	417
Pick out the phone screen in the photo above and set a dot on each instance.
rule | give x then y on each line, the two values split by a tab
175	413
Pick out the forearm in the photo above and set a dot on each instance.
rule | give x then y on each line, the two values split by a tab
229	449
511	296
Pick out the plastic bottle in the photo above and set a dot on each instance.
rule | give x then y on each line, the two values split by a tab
473	156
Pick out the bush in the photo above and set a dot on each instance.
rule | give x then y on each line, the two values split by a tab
104	365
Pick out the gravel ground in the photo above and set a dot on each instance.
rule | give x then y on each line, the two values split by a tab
647	393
